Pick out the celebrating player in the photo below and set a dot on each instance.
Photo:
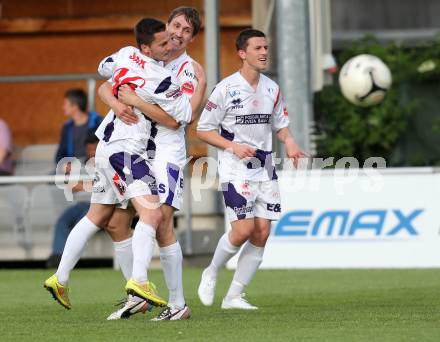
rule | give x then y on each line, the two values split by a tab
238	119
183	25
123	166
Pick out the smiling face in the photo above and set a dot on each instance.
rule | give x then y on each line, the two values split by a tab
255	53
181	32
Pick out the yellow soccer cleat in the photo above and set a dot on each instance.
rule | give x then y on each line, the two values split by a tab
59	292
146	291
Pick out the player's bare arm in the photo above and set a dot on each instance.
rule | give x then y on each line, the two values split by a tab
215	139
198	95
128	97
122	111
293	151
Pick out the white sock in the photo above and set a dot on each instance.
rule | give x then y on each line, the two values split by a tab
75	244
225	250
124	256
250	259
142	245
171	259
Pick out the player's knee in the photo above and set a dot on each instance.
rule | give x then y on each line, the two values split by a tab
100	221
118	232
165	232
155	217
239	237
165	238
259	236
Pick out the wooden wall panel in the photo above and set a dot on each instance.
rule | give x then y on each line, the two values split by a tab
33	110
86	8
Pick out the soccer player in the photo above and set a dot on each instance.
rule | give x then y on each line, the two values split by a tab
183	25
123	166
238	119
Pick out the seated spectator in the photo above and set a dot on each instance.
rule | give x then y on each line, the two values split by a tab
6	165
79	126
70	217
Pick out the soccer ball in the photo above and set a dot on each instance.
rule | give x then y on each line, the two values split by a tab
364	80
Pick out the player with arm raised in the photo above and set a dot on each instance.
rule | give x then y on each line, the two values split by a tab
239	118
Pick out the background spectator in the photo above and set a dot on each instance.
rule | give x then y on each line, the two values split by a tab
79	126
6	166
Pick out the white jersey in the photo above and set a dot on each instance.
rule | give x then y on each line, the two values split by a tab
245	116
173	141
154	84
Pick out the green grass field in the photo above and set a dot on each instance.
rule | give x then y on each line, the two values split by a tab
318	305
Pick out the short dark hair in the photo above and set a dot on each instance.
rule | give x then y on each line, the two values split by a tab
191	15
241	42
145	29
78	97
91	138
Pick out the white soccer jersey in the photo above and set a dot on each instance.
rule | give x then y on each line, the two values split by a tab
173	141
154	84
245	116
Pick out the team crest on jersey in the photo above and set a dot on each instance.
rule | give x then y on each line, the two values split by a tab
285	111
139	61
188	88
234	92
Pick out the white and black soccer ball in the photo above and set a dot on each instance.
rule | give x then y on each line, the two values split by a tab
365	80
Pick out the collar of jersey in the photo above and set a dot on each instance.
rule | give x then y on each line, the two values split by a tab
178	60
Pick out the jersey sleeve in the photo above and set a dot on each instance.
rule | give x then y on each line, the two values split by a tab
165	91
214	111
107	66
280	114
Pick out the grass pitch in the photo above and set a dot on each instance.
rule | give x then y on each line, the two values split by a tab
295	305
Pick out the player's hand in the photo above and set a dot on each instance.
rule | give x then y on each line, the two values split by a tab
125	113
199	73
243	151
294	152
127	95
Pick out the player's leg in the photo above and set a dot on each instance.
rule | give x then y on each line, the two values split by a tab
134	180
97	217
63	227
171	259
170	185
267	209
144	236
249	260
240	210
101	208
228	245
119	229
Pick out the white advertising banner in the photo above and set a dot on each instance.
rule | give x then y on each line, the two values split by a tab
356	219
